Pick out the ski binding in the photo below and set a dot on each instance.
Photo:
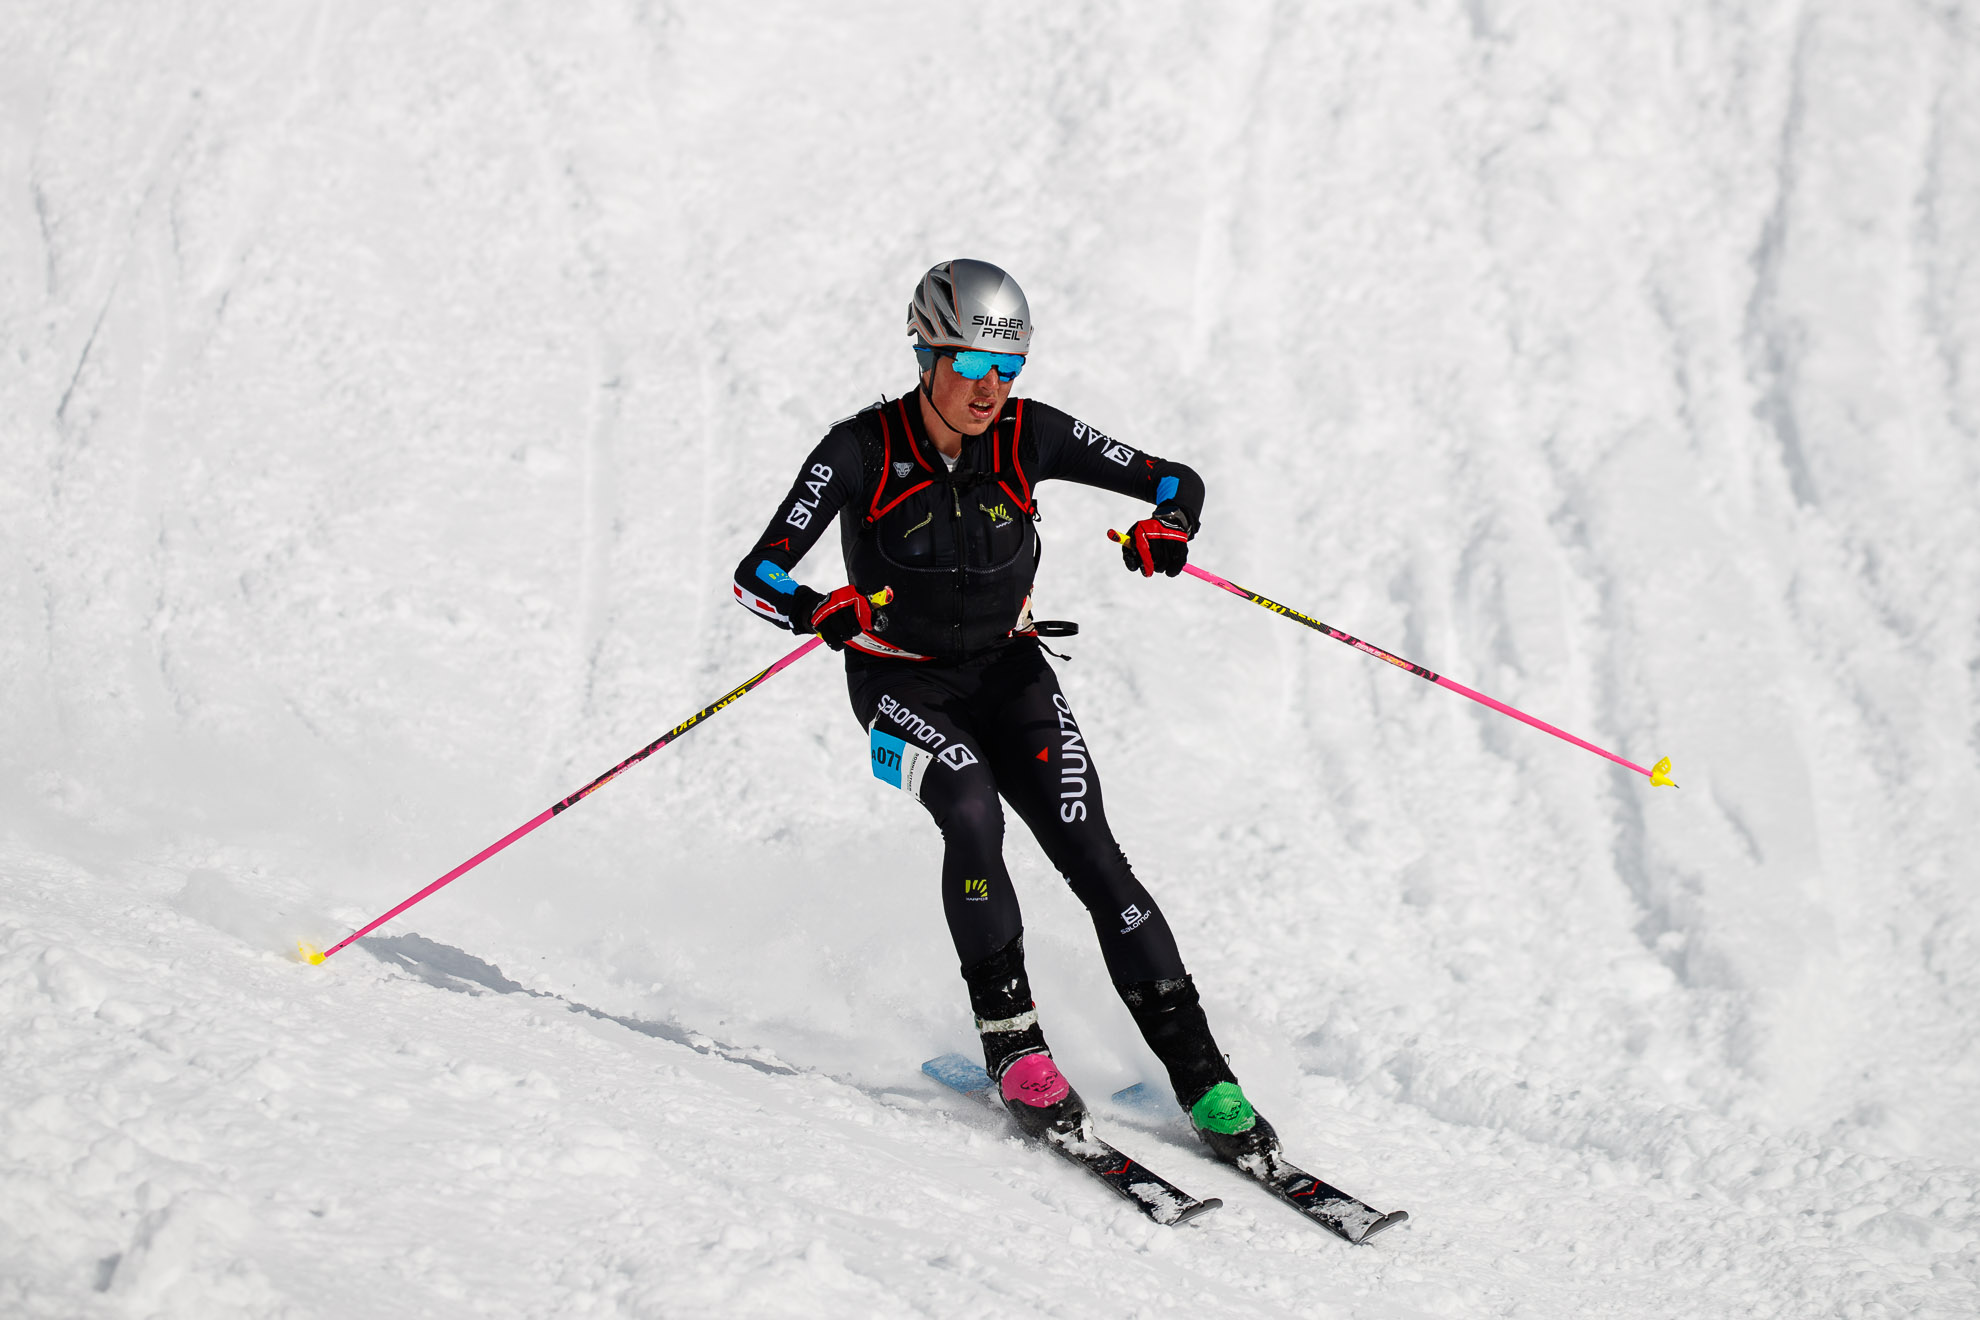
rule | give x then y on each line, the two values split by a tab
1147	1191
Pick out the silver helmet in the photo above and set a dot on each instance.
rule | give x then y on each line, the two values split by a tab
968	304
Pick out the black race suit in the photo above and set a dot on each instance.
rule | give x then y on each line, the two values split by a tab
960	704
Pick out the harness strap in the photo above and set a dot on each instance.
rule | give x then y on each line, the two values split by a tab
1020	496
1023	501
875	510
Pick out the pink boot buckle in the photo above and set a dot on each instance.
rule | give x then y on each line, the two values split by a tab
1035	1080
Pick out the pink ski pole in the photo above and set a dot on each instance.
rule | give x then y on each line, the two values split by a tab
1659	774
314	955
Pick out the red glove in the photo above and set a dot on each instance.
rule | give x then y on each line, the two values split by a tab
1157	545
842	616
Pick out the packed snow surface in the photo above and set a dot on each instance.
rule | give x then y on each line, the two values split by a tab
387	390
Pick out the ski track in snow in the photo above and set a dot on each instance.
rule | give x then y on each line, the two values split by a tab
386	391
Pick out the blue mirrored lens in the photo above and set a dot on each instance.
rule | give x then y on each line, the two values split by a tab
974	364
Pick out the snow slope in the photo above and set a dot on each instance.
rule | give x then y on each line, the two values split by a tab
386	392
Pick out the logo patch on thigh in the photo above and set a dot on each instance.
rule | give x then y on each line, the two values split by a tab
900	763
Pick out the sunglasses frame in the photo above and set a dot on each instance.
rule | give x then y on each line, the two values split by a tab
987	360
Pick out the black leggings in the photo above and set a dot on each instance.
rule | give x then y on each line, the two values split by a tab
958	736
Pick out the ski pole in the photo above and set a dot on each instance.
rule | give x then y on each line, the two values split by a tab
1658	774
311	953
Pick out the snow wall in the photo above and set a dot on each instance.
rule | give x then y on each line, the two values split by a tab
387	392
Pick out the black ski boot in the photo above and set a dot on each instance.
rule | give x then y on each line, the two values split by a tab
1170	1015
1015	1054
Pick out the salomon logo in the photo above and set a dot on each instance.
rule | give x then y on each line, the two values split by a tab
958	757
1133	916
917	728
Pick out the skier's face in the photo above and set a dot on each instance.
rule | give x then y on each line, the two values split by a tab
968	405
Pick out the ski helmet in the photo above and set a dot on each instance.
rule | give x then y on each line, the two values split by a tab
968	304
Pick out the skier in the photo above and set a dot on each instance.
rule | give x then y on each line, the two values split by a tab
934	493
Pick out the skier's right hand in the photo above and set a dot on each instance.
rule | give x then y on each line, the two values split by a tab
1158	544
842	616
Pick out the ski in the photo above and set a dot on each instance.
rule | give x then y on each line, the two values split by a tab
1347	1217
1147	1191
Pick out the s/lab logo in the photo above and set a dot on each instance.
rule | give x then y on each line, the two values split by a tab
976	891
801	508
1113	450
1133	916
958	757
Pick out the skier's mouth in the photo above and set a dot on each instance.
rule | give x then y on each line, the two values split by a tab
982	409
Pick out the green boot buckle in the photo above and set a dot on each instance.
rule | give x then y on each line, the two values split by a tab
1223	1109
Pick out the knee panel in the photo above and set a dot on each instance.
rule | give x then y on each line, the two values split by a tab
973	818
1100	877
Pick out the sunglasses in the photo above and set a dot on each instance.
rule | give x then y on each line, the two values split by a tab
975	364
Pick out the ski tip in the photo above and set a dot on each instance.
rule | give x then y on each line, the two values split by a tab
1197	1211
958	1073
310	953
1387	1221
1660	774
1140	1096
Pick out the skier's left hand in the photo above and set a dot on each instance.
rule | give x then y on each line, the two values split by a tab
1159	544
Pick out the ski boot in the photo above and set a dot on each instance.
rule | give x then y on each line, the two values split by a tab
1015	1054
1235	1132
1040	1099
1170	1015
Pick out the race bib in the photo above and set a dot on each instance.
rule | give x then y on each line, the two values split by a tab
900	763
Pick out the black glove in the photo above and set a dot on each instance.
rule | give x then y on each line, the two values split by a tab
1158	544
840	617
